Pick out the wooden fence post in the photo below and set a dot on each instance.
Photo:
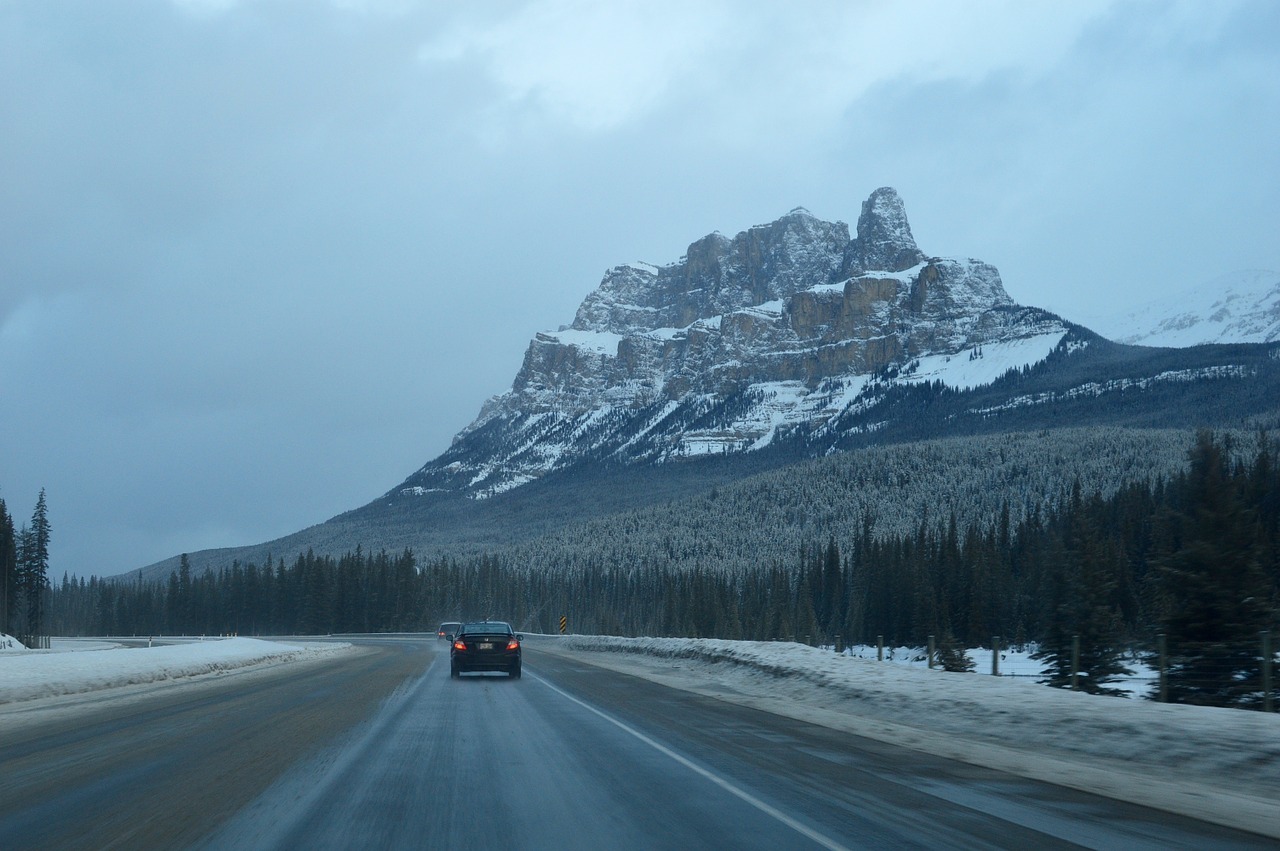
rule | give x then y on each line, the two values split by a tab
1267	658
1075	663
1162	651
931	651
879	648
995	655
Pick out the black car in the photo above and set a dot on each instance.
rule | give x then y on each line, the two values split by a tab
447	629
485	646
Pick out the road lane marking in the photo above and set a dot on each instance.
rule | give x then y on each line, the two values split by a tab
767	809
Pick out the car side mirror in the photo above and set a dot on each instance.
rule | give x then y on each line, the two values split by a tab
448	636
519	638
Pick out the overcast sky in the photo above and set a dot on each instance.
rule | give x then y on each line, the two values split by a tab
261	259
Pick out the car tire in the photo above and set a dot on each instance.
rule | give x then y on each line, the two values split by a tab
514	673
454	672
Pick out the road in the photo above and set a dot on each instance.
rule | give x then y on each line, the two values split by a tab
384	750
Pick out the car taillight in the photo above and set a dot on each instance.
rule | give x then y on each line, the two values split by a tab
458	645
513	645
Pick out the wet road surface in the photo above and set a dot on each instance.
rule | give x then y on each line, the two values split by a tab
383	750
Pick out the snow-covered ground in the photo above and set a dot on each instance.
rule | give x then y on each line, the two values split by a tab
1220	765
970	368
103	664
1014	662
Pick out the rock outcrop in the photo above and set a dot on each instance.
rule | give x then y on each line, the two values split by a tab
790	319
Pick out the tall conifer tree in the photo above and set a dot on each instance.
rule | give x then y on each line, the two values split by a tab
1217	594
8	570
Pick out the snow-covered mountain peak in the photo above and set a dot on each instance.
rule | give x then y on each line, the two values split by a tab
1240	307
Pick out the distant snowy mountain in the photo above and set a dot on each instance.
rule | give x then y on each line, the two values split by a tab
787	327
1242	307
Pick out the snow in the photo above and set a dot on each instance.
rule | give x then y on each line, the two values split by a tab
1220	765
787	403
664	334
419	490
504	485
603	342
103	664
1240	307
968	369
653	423
1014	662
1093	388
906	276
828	288
769	308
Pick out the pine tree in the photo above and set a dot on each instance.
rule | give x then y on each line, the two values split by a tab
1217	594
951	655
830	604
1056	626
1081	611
8	570
35	567
1097	621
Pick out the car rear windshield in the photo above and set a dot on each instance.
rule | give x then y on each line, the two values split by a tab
489	627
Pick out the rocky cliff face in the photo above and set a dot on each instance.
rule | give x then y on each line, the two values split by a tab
785	325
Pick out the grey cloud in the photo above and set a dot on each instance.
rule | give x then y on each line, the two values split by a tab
260	260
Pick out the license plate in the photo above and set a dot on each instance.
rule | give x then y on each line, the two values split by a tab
484	645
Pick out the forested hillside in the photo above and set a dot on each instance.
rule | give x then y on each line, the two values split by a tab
765	519
1195	556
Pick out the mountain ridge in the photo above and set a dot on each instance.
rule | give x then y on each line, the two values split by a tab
790	351
793	317
1237	307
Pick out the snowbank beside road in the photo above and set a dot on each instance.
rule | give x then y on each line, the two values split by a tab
1220	765
36	674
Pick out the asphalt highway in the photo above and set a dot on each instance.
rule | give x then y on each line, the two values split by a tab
383	750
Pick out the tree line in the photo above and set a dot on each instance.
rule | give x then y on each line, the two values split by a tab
1195	557
24	571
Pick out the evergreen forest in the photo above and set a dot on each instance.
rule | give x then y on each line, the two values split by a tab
24	569
1087	576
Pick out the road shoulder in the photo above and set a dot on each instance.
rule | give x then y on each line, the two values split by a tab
17	716
1133	783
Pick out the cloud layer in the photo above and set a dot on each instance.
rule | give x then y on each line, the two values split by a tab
260	259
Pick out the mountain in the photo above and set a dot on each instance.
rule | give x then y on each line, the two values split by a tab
784	328
1242	307
793	354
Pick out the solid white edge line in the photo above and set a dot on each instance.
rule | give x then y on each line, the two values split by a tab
805	830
